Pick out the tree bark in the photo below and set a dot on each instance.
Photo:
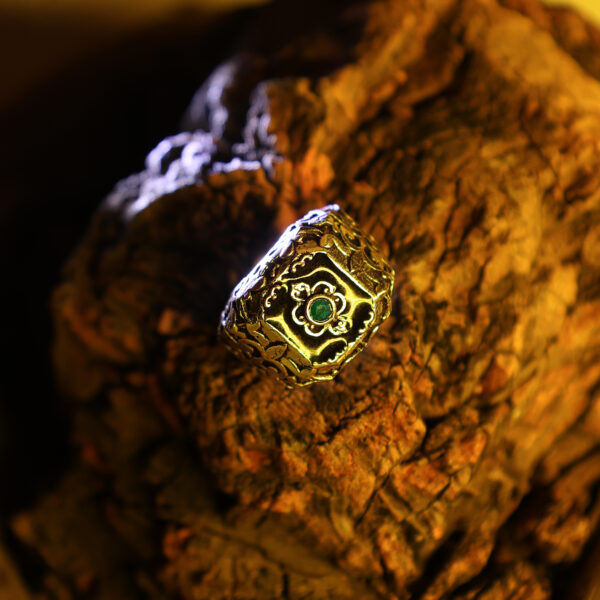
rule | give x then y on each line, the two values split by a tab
459	455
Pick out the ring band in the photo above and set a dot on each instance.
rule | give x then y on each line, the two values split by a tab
313	302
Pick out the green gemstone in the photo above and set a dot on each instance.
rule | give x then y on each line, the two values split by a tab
321	310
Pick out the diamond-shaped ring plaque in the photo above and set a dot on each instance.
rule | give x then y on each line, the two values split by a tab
312	302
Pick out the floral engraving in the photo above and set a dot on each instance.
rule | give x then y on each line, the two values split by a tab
302	293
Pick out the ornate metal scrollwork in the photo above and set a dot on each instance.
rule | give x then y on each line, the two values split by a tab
312	302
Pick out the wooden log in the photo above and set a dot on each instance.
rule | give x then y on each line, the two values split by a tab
459	454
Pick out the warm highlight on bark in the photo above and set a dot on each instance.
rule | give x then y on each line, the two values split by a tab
459	454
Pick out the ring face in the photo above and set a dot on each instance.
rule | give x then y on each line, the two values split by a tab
312	302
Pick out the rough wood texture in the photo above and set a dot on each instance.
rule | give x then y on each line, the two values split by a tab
459	455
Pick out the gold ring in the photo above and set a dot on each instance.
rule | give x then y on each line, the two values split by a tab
313	302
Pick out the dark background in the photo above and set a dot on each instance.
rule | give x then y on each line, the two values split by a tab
80	107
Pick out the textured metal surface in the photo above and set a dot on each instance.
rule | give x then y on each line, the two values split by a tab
312	302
